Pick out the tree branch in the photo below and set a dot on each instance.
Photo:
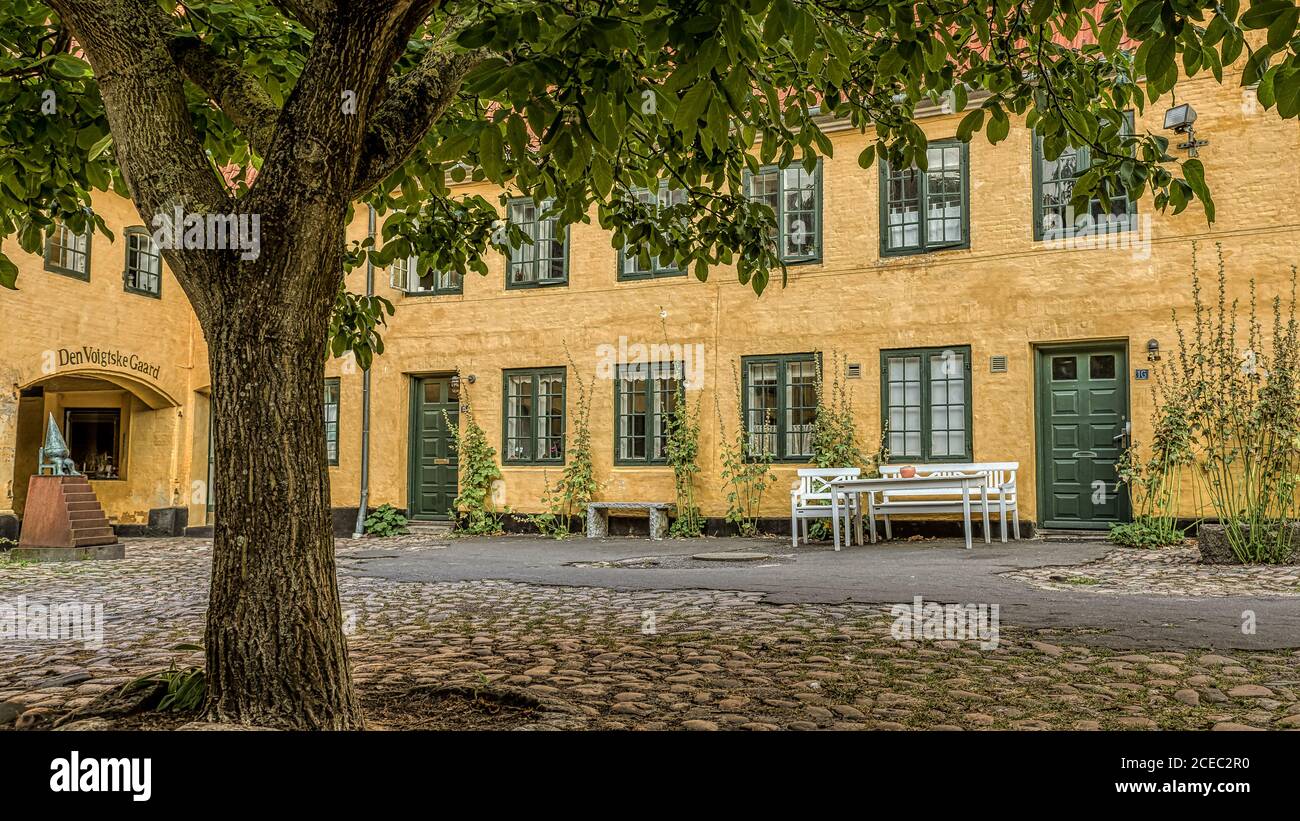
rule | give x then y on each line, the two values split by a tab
158	150
413	104
237	93
308	13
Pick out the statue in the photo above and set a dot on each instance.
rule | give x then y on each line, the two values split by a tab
55	455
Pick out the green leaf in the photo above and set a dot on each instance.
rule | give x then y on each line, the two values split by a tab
969	124
8	273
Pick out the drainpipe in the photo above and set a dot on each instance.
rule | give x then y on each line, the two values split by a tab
365	399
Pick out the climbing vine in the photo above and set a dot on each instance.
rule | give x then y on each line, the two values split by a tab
835	434
473	510
683	456
577	486
746	469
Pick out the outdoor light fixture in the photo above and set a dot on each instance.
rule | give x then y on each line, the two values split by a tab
471	379
1179	119
1153	350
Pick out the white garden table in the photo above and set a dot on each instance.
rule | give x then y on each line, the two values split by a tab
962	483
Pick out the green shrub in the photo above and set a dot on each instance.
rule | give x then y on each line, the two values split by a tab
1147	532
386	520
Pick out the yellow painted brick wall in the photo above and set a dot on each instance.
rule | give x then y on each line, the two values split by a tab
1003	295
51	311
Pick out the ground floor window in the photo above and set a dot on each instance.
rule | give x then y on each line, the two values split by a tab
534	416
94	439
926	397
645	396
332	419
780	397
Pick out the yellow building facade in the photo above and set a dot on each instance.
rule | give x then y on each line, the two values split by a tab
949	302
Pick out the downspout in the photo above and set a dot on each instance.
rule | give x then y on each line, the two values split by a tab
365	398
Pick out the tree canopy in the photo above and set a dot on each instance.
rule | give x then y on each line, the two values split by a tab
582	102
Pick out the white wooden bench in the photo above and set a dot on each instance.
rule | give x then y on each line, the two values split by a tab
811	499
1001	492
598	516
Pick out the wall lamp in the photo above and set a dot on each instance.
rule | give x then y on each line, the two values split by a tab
1153	350
1180	119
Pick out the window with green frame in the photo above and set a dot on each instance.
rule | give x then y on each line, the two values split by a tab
795	197
143	272
1054	216
645	396
332	389
544	261
533	414
926	399
922	211
631	266
68	253
780	399
408	276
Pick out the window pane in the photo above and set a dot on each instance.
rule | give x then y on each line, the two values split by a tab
550	416
801	404
519	417
332	420
1065	368
1101	366
763	392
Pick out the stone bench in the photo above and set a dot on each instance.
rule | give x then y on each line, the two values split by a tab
598	516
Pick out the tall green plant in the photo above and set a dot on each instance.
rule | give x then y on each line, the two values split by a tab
835	433
683	448
473	510
1155	482
1243	405
577	486
746	467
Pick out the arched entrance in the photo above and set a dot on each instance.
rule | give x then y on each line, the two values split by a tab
100	414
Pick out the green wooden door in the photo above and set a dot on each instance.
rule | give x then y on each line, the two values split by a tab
433	446
1082	430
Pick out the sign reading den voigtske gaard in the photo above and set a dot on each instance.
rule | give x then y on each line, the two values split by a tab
107	358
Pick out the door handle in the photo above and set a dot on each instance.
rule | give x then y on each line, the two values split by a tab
1124	432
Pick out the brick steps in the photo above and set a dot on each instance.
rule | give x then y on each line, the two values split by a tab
69	515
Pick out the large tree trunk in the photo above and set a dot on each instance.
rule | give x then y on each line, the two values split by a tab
276	653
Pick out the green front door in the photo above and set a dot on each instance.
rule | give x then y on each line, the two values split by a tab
1082	430
435	399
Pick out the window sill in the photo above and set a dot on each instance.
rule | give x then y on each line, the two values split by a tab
885	255
68	272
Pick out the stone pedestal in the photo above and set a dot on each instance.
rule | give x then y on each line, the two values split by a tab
62	521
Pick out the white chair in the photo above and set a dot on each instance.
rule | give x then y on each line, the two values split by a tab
1001	491
812	500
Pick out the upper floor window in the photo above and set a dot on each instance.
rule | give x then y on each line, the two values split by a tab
544	261
405	275
534	416
143	273
926	398
927	210
332	390
632	266
645	397
780	396
795	197
1054	216
68	253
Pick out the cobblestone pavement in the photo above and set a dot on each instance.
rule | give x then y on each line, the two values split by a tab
1170	571
654	659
